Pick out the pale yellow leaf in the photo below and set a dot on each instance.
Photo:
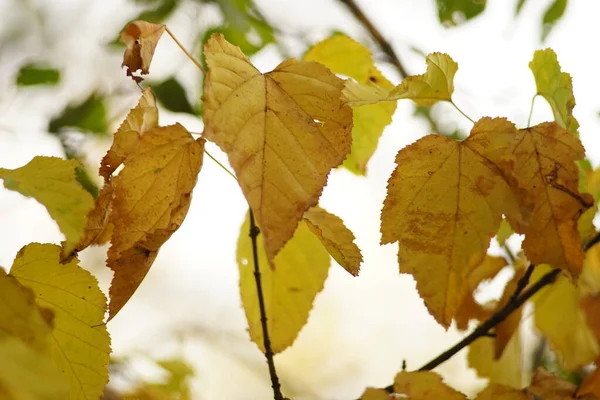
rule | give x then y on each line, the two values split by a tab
151	199
283	132
289	286
337	239
51	181
347	57
80	343
507	370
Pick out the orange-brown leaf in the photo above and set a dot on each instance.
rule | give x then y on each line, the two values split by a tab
98	229
591	384
337	239
548	386
506	329
444	204
283	132
152	196
140	38
424	385
539	162
140	119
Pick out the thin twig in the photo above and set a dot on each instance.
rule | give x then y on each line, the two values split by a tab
522	283
254	232
376	35
531	111
462	112
187	53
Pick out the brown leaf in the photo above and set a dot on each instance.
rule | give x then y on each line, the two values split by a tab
283	132
152	196
141	38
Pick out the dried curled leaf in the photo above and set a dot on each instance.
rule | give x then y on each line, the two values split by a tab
140	38
436	84
346	56
289	286
539	163
337	239
52	182
152	195
283	132
424	385
555	86
80	344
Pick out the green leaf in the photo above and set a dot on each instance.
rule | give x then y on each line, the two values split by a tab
555	86
455	12
32	74
519	7
89	116
345	56
80	344
552	15
289	285
172	96
51	181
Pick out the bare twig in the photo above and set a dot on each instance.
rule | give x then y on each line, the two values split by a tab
376	35
254	232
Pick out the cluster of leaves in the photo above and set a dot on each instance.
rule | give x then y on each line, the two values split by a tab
283	132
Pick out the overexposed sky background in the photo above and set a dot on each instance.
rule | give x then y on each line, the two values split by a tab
361	328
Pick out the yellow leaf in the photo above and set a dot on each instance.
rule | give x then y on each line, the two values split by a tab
152	195
539	162
20	317
345	56
444	203
504	232
51	181
140	38
507	370
501	392
139	120
506	329
337	239
289	287
80	344
424	385
437	84
559	317
26	374
376	394
283	132
555	86
98	229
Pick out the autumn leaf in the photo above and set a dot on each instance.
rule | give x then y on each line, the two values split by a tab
20	317
539	163
80	343
444	204
283	132
559	317
548	386
555	86
289	288
152	195
507	329
507	370
337	239
424	385
98	229
140	38
437	84
51	181
591	384
26	374
504	232
501	392
347	57
139	120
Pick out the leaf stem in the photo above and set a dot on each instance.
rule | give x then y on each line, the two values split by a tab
185	51
221	165
461	111
531	111
254	232
376	35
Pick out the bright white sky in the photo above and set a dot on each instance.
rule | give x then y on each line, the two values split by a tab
361	328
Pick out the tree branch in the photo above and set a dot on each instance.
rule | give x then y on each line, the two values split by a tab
376	35
254	232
